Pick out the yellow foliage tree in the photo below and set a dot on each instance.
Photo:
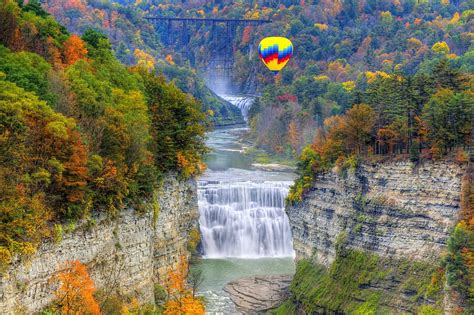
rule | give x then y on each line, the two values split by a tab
144	59
255	15
455	19
371	76
386	17
181	299
440	48
321	27
348	85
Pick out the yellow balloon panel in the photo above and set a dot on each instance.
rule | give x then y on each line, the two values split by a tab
275	52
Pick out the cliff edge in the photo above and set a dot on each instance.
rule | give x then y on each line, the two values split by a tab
372	239
127	254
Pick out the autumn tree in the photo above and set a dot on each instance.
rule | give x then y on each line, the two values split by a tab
440	48
144	59
74	49
177	125
181	299
9	31
43	163
75	294
293	135
246	35
358	124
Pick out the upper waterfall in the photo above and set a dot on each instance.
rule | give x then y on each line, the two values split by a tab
242	102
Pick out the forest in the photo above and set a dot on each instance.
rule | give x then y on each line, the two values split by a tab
346	52
81	132
90	120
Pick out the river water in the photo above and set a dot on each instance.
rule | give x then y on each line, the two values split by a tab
244	228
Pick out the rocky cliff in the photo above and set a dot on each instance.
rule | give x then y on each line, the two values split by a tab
387	215
127	254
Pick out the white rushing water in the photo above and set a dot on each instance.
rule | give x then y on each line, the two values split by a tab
242	102
244	219
242	209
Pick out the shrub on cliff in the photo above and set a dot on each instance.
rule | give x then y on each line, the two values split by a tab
181	299
460	259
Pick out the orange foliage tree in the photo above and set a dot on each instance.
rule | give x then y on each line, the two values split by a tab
75	294
359	121
293	135
246	35
74	49
181	300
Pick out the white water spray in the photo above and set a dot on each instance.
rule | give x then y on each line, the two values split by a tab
244	219
242	102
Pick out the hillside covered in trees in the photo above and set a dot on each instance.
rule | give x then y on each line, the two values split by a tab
346	52
135	40
79	131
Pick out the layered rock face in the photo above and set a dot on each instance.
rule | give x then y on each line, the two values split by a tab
392	209
128	254
259	294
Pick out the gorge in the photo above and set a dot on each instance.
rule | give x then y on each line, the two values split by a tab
341	185
244	229
385	226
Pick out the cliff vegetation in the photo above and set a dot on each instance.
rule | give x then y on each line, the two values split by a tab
79	131
353	283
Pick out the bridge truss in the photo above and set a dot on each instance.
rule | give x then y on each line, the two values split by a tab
178	31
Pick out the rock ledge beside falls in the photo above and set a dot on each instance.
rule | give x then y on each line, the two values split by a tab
259	294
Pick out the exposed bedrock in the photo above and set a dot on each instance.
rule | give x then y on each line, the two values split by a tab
129	253
259	294
391	209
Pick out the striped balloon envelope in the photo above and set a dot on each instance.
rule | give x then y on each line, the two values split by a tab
275	52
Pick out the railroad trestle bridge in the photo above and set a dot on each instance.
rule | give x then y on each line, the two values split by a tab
178	31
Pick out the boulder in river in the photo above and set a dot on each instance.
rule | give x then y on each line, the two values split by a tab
259	294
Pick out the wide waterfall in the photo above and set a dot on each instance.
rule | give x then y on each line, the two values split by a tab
244	219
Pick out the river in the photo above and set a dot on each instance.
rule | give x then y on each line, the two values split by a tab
244	228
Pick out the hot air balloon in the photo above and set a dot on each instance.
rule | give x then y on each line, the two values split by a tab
275	52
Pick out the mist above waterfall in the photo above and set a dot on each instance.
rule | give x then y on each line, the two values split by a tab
221	87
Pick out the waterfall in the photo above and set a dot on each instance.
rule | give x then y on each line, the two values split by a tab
242	102
244	219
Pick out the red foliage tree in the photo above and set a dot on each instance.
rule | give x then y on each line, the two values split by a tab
246	35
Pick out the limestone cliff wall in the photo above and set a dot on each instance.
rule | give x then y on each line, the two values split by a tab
127	254
392	209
